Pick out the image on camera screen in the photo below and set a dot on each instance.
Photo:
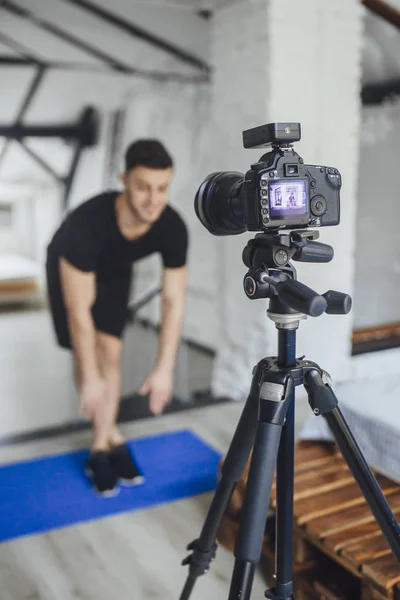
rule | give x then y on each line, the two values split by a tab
287	199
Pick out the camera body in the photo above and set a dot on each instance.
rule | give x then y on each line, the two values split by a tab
277	192
280	191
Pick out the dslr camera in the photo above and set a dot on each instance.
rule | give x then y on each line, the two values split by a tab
278	192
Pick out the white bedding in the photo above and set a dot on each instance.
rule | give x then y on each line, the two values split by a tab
372	410
16	268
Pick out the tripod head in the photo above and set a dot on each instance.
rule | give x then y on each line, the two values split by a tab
271	275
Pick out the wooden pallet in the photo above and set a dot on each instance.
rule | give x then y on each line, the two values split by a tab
340	553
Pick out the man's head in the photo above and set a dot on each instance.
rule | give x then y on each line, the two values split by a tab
147	179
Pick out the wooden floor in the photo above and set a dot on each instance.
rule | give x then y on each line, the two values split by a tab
127	557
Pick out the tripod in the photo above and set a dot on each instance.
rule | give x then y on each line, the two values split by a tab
267	423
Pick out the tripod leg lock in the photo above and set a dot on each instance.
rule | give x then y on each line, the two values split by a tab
199	561
320	394
276	386
272	594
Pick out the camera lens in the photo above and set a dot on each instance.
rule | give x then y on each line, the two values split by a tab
219	203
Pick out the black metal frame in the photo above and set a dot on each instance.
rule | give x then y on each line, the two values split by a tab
24	13
40	72
140	33
14	61
25	57
374	94
17	131
384	10
83	134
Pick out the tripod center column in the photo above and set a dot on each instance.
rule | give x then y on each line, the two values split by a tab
286	347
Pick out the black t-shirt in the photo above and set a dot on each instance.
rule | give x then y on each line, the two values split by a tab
90	239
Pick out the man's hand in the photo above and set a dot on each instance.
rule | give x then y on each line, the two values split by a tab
92	396
158	385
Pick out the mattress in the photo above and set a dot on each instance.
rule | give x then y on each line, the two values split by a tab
19	277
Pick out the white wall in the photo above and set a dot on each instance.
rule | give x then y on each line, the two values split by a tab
304	68
35	213
377	268
377	248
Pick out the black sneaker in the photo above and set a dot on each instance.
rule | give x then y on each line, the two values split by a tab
125	467
102	475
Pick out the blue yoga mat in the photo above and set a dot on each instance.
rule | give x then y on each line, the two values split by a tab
48	493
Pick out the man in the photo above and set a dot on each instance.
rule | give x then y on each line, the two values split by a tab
89	264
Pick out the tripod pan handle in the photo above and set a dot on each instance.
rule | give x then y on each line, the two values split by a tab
338	303
315	252
301	298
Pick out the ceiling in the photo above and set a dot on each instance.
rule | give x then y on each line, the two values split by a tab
133	37
154	39
160	38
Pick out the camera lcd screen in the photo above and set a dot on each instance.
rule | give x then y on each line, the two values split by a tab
288	199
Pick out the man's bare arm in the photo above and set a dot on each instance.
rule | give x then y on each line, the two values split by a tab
79	291
159	382
173	311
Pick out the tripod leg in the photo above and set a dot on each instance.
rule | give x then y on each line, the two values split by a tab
284	509
276	394
204	548
322	398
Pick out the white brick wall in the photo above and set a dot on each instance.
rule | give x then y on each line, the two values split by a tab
240	96
280	60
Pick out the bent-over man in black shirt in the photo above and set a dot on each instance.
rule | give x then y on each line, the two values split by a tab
89	264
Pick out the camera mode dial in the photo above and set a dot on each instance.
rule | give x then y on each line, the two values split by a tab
318	205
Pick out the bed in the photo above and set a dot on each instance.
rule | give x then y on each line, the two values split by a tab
19	279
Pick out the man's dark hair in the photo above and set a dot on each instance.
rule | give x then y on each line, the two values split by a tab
147	153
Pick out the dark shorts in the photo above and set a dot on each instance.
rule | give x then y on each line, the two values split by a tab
110	310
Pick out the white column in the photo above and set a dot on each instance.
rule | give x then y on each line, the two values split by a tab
285	60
